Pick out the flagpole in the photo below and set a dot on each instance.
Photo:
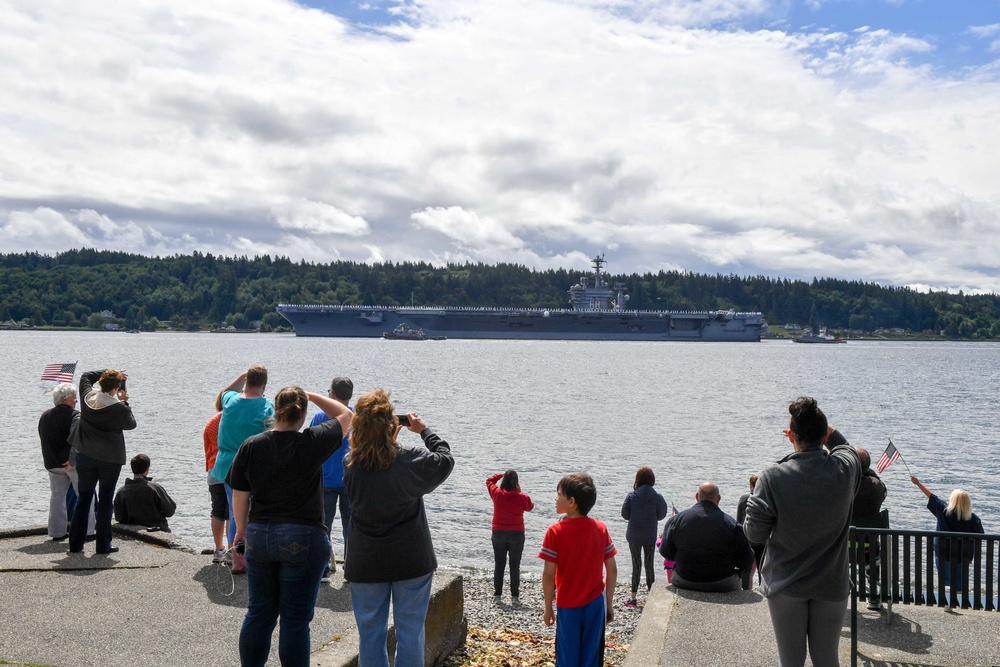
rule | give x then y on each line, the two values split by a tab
901	458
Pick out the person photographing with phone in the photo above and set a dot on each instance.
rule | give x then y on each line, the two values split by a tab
98	453
390	555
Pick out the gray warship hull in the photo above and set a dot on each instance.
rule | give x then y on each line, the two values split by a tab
525	324
598	313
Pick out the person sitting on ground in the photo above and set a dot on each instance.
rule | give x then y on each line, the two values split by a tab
142	501
954	517
643	508
707	545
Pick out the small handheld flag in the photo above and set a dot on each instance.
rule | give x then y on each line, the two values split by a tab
889	456
59	372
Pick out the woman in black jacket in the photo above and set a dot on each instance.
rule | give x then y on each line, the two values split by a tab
99	451
389	549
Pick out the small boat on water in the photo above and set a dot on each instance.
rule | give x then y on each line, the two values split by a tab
818	338
405	332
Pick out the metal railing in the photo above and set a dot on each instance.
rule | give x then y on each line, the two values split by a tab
912	566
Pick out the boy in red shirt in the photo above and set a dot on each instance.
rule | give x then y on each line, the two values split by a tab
576	549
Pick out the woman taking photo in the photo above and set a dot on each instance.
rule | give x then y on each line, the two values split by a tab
509	506
287	545
644	508
389	550
955	516
801	509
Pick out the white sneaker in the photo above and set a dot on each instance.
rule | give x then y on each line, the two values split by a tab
218	555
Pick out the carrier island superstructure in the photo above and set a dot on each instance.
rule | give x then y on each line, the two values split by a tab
596	312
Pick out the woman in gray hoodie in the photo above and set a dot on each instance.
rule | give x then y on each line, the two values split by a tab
99	451
801	508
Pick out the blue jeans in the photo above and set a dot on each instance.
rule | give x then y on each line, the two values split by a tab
231	526
92	473
285	562
410	598
332	496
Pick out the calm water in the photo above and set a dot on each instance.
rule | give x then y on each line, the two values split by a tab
691	411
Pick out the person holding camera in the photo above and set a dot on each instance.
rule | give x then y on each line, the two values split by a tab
282	534
98	446
389	549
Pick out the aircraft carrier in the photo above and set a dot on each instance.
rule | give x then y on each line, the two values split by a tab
596	312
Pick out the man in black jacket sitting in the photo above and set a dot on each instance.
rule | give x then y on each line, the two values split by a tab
708	546
142	501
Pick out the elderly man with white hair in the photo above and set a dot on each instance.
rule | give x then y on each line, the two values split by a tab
54	428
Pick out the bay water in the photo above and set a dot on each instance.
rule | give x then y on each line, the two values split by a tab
693	412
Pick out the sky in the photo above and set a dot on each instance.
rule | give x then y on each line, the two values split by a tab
854	139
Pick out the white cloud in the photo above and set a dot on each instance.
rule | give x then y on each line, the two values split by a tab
983	31
467	228
537	132
317	218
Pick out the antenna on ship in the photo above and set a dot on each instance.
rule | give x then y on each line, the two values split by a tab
598	262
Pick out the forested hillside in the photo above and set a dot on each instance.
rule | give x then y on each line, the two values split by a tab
204	291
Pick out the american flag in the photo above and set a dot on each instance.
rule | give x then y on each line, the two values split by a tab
59	372
889	456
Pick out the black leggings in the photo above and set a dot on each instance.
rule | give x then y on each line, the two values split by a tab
642	555
507	542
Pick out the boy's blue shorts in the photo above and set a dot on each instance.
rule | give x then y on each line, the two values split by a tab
580	634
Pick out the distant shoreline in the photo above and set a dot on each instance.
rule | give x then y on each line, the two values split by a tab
879	339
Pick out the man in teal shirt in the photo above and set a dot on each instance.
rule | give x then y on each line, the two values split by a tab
245	412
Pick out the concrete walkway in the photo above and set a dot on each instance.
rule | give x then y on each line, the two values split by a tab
159	603
156	602
681	628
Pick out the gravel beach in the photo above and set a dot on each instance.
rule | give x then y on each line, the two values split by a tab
511	635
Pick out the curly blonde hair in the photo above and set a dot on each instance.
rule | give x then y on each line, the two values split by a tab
373	430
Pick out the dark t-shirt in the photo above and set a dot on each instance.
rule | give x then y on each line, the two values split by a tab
283	471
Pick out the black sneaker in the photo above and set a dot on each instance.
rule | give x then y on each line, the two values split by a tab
326	576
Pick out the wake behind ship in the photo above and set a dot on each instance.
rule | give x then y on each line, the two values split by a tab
596	313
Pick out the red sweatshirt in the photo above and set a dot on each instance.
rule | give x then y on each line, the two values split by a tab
508	506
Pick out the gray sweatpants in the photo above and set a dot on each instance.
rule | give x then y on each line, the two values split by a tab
797	620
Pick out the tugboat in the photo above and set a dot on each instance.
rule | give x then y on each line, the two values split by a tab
821	337
404	331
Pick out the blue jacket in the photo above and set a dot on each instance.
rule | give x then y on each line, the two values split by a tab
333	467
644	508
